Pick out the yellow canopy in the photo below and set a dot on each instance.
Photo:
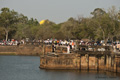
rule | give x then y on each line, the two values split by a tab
42	22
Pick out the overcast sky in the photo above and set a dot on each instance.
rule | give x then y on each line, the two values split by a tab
57	10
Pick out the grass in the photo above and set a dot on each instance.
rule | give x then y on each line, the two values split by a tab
8	53
15	53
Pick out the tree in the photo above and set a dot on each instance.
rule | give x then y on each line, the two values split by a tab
98	12
114	22
107	25
86	29
20	27
46	30
8	20
68	28
1	33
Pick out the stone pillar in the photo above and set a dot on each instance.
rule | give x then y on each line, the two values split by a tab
115	65
110	63
80	62
87	60
61	50
43	49
97	63
107	62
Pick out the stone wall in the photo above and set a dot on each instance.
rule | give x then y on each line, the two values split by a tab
117	60
8	48
61	61
29	49
21	50
78	61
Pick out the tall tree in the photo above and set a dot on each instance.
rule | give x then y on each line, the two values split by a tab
1	33
98	12
114	22
107	25
46	30
8	20
68	28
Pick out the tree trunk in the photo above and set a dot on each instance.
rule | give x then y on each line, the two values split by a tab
104	36
105	41
6	34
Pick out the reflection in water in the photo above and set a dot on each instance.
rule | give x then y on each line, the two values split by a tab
86	75
27	68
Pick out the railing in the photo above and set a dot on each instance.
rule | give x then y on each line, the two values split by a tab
33	43
94	48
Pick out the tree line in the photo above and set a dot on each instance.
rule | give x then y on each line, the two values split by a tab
102	25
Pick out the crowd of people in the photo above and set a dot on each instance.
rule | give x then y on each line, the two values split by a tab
70	44
11	42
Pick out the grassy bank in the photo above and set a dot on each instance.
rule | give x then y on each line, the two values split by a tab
8	53
14	53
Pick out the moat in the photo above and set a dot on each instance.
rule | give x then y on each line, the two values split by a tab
27	68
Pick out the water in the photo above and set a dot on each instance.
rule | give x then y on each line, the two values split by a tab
27	68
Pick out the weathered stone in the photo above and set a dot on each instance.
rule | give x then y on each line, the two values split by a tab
87	60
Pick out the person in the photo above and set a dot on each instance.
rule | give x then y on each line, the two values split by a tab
70	45
114	47
68	49
57	42
53	47
18	43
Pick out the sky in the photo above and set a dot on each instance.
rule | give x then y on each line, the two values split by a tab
57	11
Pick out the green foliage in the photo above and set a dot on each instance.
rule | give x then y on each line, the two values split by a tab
2	33
103	25
7	20
98	12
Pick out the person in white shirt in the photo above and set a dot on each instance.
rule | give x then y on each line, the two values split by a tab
68	49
